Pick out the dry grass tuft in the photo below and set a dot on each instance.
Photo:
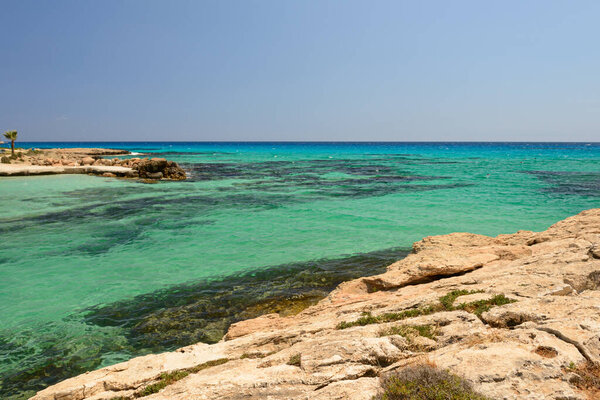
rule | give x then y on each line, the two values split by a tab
587	378
426	382
295	360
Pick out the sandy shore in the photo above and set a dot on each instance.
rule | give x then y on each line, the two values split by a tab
25	170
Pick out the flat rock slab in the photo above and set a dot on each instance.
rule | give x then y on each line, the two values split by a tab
25	170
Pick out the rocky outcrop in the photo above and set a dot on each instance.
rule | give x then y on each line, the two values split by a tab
159	168
515	315
91	161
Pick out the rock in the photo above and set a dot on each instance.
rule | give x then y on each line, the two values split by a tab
560	290
242	328
149	169
527	348
109	175
154	175
87	161
473	297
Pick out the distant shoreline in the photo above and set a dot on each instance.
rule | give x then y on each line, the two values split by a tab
317	142
58	161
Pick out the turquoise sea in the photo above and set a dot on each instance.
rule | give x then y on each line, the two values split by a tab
94	271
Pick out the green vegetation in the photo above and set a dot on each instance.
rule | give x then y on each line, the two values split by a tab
426	382
256	355
208	364
588	379
295	360
410	331
168	378
481	306
12	136
368	318
446	303
165	379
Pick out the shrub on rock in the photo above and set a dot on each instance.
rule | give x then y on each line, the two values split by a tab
426	382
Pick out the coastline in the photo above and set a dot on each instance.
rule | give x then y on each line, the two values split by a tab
87	161
26	170
530	345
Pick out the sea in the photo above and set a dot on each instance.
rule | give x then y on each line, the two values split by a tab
95	271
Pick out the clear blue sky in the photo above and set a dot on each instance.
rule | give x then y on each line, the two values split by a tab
300	70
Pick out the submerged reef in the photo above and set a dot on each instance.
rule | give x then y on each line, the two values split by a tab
177	316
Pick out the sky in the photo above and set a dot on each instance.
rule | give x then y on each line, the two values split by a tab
245	70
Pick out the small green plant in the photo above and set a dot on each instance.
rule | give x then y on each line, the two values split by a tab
426	382
408	331
208	364
447	301
295	360
411	333
368	318
168	378
481	306
255	355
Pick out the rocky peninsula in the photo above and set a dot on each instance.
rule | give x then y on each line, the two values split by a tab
87	161
516	316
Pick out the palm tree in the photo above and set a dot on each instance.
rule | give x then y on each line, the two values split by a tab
12	136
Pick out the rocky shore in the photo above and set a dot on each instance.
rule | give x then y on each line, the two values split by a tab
516	316
87	161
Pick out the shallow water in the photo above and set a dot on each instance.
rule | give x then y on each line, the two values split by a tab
91	268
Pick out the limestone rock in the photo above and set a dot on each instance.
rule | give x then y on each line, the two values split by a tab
87	161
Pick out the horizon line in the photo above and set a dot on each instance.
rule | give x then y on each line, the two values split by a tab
302	141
